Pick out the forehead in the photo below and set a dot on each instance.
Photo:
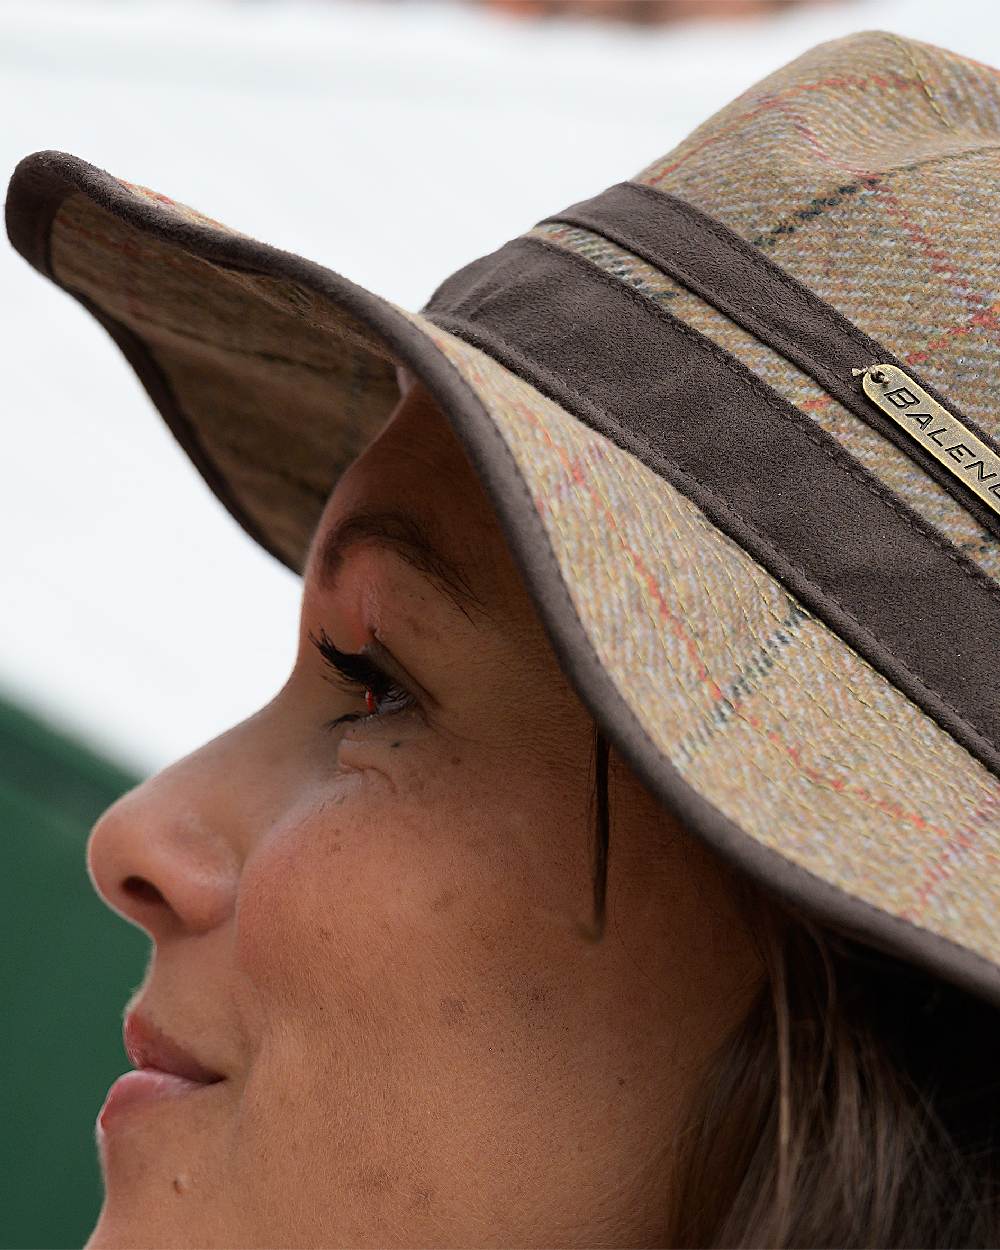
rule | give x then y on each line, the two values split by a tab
403	535
413	494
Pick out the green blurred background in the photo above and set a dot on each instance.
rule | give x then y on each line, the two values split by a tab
68	970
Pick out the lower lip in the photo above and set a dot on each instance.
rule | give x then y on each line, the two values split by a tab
142	1087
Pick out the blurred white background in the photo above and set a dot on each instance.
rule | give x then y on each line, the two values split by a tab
392	142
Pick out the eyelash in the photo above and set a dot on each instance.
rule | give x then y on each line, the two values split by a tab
357	672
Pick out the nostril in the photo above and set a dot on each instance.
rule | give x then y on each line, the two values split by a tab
139	887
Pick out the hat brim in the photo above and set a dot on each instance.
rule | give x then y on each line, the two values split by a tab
748	718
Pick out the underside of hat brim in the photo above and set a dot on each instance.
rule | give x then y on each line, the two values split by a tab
142	264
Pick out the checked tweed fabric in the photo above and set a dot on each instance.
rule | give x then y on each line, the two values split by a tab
868	168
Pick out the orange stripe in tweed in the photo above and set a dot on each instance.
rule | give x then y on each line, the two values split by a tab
880	82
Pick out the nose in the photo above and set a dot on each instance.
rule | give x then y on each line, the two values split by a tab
166	855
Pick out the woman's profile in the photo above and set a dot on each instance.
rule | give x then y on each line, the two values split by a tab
619	864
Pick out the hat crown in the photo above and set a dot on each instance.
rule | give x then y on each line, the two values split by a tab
868	169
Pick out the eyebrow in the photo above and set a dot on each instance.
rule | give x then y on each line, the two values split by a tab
405	536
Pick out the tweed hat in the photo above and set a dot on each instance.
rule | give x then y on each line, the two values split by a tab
739	418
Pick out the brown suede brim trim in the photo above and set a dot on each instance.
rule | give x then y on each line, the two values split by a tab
34	195
43	178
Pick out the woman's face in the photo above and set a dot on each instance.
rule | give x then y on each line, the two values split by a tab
371	928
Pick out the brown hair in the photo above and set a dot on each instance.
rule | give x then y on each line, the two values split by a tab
856	1104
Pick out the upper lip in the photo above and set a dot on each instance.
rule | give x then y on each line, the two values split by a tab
147	1046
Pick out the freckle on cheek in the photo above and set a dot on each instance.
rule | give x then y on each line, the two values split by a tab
452	1010
456	759
443	901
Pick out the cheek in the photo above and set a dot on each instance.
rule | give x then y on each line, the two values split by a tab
336	894
297	882
395	889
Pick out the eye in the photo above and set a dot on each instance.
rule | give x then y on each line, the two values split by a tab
357	672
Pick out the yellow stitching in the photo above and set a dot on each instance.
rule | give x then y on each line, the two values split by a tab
908	53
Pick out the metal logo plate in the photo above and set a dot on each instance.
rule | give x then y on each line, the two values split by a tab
934	428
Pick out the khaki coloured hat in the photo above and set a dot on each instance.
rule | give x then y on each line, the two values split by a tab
739	417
